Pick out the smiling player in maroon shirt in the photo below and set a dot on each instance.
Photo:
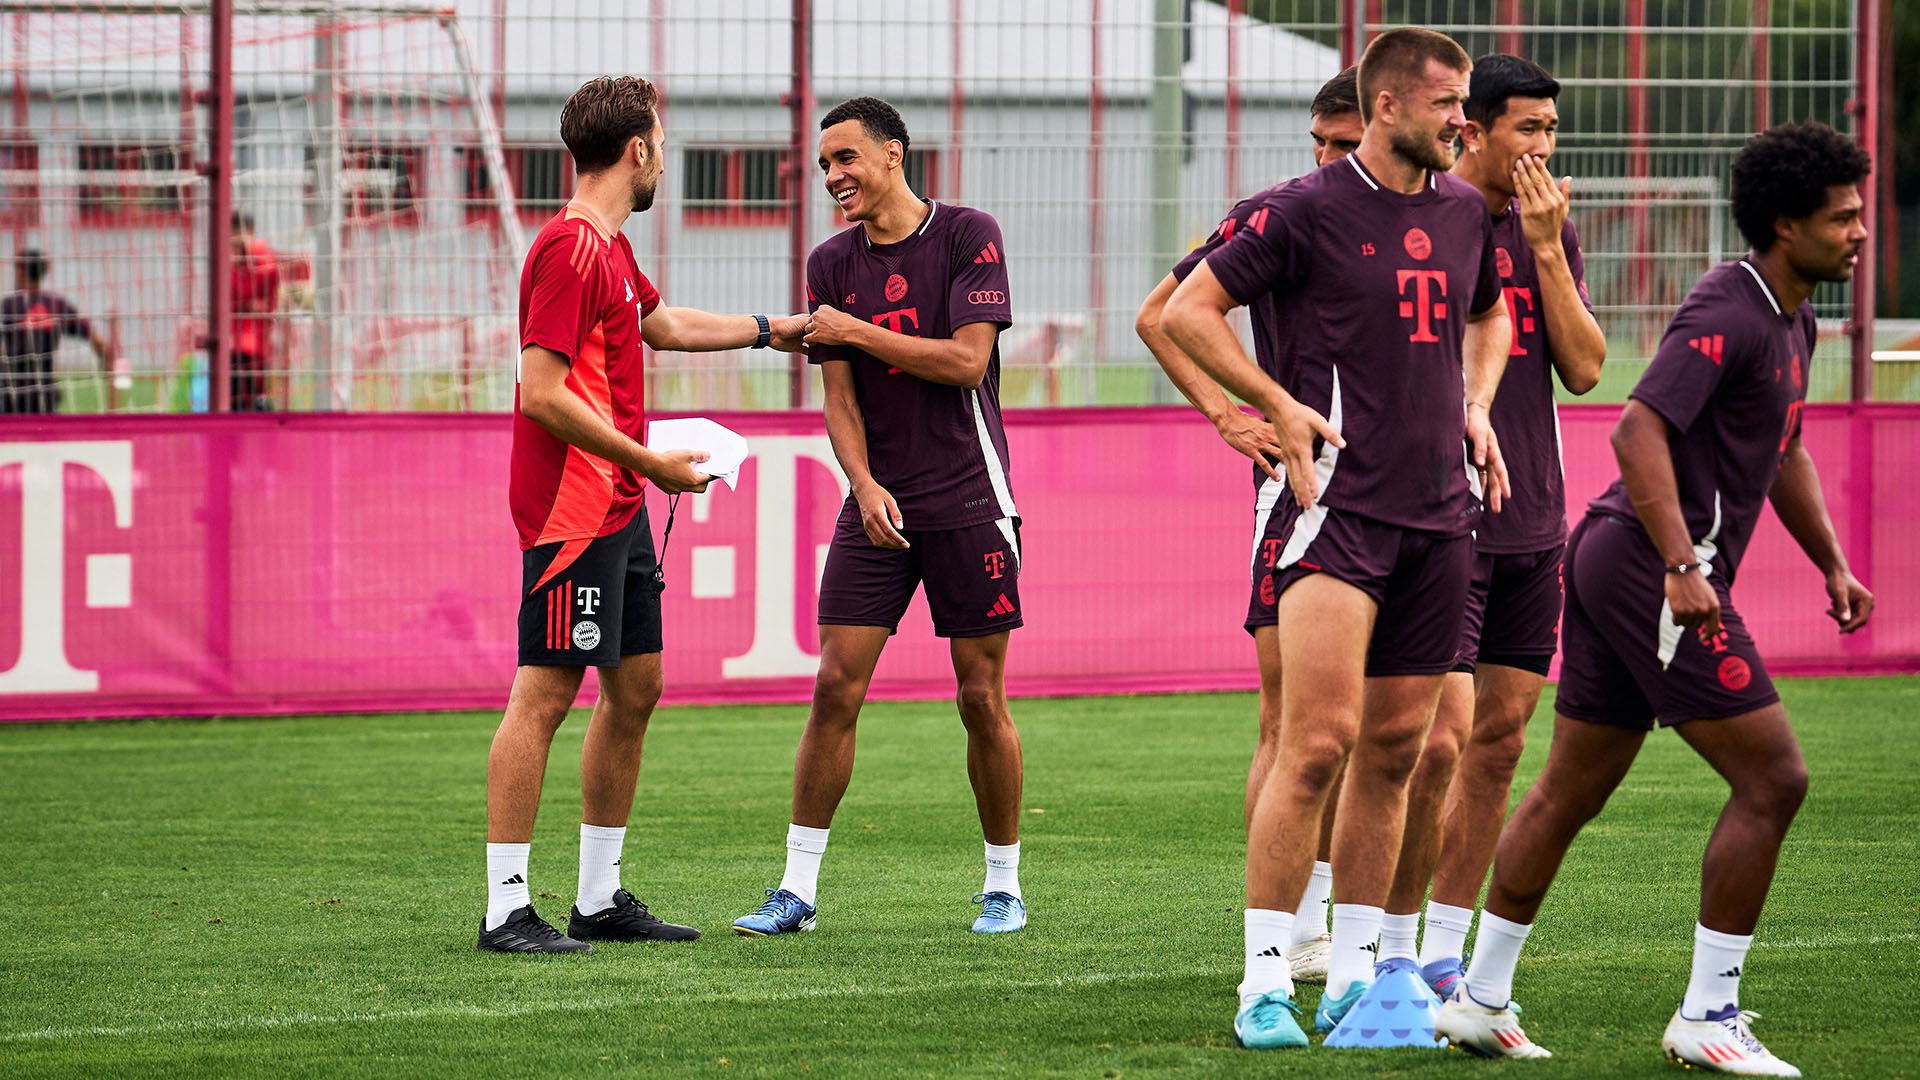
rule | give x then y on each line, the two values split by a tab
1382	268
1651	635
1513	608
908	305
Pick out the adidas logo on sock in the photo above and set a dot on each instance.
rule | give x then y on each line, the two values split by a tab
515	880
1272	950
1733	974
1372	947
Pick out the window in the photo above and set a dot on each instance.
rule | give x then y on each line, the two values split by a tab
736	187
376	182
128	184
19	185
923	172
542	182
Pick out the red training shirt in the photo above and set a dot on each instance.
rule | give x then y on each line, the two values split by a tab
582	296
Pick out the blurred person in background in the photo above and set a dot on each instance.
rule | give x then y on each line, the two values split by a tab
32	322
256	292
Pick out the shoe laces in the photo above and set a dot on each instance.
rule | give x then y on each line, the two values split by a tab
1265	1008
633	903
778	904
535	928
996	905
1737	1026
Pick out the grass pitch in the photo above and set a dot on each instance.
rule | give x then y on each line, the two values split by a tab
300	898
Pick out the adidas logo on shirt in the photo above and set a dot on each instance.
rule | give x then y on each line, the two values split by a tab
988	254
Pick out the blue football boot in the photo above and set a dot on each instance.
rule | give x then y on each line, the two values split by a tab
1000	913
783	913
1271	1022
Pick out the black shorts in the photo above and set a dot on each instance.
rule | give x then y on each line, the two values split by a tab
1513	610
1625	661
972	576
1418	580
587	603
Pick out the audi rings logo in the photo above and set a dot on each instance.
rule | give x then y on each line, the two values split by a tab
987	296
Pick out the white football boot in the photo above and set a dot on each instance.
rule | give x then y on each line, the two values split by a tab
1477	1029
1308	960
1721	1043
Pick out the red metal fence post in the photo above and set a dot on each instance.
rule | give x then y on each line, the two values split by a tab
1866	125
800	104
218	169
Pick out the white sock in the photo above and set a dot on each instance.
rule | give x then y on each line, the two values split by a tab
1310	918
506	881
1356	939
1268	933
804	848
1003	869
1496	953
1398	934
599	866
1717	960
1446	934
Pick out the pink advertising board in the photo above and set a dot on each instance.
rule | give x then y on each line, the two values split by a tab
317	563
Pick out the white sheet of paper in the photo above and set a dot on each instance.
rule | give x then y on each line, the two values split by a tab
727	448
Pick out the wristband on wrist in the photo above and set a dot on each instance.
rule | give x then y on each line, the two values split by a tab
766	332
1684	568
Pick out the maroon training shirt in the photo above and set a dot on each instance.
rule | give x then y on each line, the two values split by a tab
939	450
1731	377
1373	290
1523	413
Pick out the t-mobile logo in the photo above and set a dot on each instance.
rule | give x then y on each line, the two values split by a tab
42	666
1423	306
588	599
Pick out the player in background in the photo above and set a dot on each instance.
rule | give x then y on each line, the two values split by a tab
1382	270
590	594
908	305
32	322
1651	634
256	292
1336	131
1513	606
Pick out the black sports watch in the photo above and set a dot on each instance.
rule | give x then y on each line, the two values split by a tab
766	332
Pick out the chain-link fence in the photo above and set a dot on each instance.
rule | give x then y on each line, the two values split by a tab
392	159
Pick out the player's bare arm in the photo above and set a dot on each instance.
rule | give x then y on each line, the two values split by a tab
1246	434
957	361
879	513
1802	508
1574	339
679	329
1646	467
545	399
1195	321
1484	349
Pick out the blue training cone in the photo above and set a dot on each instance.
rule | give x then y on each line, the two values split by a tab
1397	1010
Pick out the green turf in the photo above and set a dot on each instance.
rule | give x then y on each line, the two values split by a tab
300	897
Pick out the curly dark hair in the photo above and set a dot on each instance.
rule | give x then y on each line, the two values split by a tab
1785	171
881	120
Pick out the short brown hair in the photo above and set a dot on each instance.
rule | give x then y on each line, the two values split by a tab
1339	95
1398	58
601	116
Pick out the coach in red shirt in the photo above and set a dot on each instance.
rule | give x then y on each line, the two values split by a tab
590	593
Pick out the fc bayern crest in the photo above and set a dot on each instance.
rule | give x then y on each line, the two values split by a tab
1418	244
896	288
586	635
1503	262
